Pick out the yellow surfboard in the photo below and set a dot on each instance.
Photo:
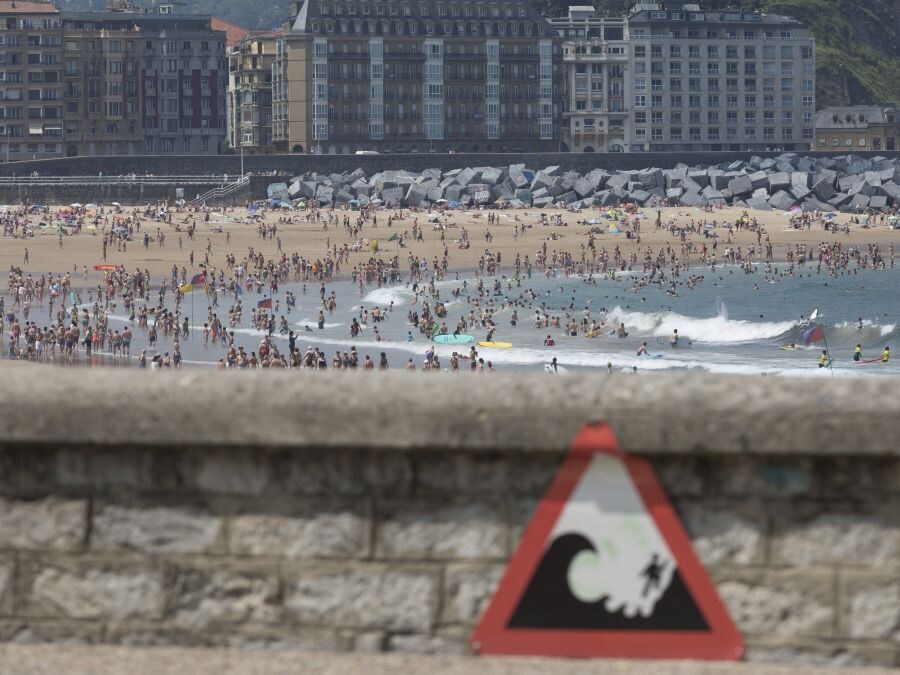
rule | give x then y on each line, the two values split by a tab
496	345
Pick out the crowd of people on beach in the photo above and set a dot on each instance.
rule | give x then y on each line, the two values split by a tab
59	316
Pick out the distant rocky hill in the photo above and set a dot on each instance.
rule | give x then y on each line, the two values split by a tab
858	41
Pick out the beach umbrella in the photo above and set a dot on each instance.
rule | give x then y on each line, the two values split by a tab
76	205
116	204
90	206
91	228
377	201
893	219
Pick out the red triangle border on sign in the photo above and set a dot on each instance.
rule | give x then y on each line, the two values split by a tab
492	636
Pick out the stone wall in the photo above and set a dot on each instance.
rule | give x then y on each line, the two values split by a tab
125	192
299	164
378	514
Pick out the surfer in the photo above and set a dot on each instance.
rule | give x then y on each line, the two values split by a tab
886	355
642	351
857	353
823	359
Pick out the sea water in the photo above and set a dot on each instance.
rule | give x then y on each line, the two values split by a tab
731	322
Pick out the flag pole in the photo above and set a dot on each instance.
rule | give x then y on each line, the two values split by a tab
830	358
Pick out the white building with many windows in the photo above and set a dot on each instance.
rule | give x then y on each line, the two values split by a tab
724	80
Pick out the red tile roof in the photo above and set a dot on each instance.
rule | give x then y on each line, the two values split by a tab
18	7
233	32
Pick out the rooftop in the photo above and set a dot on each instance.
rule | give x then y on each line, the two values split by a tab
18	7
855	116
690	14
233	33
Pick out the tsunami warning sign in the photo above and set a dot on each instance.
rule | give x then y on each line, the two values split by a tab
605	569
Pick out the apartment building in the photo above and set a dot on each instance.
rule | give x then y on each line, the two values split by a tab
102	93
858	128
596	54
31	83
724	80
118	82
279	96
418	76
183	81
250	92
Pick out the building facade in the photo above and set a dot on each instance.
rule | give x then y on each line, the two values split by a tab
858	128
183	80
724	80
101	54
596	54
418	76
109	83
31	82
250	93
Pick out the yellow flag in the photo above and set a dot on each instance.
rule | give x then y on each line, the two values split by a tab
187	288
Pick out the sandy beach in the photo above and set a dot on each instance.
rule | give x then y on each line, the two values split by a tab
227	235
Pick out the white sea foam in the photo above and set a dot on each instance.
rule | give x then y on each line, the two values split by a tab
717	329
400	295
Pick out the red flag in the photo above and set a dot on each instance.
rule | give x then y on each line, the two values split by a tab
813	334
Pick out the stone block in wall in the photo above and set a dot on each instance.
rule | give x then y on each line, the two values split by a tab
309	529
810	653
155	529
786	603
122	469
756	477
214	593
51	524
468	589
843	534
724	534
7	575
338	473
40	631
483	474
372	596
871	605
419	530
226	472
452	641
92	589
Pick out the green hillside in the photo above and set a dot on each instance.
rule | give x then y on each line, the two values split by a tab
858	41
